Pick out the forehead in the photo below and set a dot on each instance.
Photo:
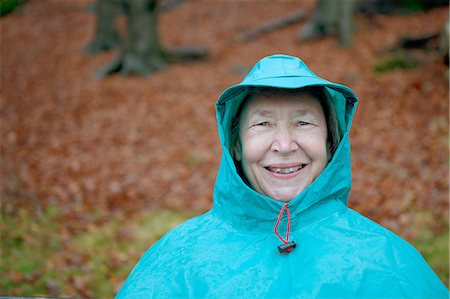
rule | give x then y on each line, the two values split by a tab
268	103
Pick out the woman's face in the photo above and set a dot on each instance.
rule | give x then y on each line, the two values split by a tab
282	144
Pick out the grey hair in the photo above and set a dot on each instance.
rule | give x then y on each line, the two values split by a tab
317	92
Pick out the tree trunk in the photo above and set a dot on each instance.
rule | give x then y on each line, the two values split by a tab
345	20
330	17
106	33
141	53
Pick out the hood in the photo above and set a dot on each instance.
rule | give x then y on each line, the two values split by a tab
238	203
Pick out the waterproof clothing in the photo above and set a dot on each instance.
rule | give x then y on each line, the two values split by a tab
232	250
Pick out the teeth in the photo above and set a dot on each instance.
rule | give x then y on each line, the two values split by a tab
285	170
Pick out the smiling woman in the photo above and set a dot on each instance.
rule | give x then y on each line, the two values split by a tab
280	226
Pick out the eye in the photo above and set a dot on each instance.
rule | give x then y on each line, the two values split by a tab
261	125
303	123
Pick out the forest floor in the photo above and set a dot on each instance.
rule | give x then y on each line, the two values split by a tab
94	171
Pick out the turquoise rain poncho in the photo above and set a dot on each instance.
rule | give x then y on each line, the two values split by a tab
232	250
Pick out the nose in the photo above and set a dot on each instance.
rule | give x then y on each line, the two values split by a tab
283	142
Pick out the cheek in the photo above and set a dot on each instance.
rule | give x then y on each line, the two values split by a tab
320	150
315	145
254	148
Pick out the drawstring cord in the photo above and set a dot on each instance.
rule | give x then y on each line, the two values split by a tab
287	246
288	229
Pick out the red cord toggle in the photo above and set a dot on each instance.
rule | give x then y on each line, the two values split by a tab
287	246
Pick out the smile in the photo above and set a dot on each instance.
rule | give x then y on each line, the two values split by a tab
285	170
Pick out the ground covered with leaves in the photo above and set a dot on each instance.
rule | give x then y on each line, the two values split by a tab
94	171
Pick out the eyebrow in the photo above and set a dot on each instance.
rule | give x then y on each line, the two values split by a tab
263	112
260	112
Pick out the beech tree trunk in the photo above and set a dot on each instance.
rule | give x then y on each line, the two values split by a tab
106	34
141	53
140	49
331	17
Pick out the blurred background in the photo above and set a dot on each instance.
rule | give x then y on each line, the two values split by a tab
108	132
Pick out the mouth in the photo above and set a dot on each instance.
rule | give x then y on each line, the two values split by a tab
285	170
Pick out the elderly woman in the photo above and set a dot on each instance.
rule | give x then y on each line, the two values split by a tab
280	226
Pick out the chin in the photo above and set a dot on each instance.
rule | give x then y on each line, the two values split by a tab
285	196
282	199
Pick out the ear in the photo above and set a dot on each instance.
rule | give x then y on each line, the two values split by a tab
237	149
